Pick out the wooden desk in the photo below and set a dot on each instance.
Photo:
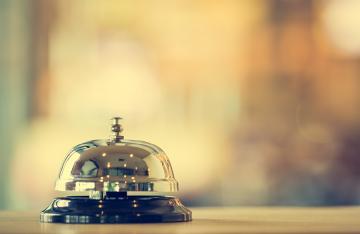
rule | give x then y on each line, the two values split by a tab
208	220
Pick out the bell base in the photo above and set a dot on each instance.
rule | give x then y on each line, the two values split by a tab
130	209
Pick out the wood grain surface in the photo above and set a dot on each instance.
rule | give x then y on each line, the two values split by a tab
207	220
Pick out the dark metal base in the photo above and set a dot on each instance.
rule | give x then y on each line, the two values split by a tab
130	209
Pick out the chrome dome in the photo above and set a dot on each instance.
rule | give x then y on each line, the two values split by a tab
116	165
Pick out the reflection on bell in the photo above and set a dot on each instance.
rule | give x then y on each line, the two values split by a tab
125	180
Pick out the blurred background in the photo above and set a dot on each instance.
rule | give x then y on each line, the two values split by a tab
256	102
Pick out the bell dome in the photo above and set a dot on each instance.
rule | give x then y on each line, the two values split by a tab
110	166
116	165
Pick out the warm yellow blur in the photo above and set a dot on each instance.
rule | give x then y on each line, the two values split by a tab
254	101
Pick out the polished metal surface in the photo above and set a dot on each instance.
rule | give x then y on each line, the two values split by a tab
116	128
116	165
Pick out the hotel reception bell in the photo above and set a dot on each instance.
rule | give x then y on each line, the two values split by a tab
127	181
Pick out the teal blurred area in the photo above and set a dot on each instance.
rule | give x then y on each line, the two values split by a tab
16	74
255	101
